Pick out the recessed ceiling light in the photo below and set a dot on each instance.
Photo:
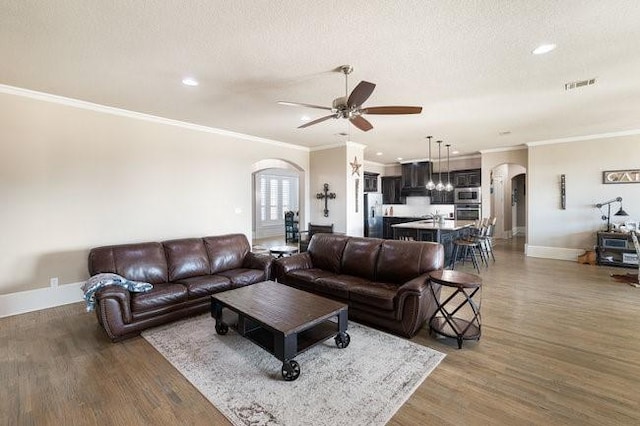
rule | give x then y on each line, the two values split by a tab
188	81
455	152
305	118
543	48
378	153
399	158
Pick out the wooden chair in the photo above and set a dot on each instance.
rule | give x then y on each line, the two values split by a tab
305	236
291	232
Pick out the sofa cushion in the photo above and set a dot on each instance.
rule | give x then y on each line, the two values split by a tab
305	278
205	285
226	251
144	262
360	256
338	285
326	251
243	276
186	258
162	295
400	261
380	295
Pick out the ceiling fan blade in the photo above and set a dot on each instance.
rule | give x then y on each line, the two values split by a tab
361	123
360	94
298	104
318	120
392	110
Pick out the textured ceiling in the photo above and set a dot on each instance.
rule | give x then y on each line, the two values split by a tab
468	63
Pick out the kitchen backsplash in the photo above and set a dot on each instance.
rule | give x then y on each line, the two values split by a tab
418	206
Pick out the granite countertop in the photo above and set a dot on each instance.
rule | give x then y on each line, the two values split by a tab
449	225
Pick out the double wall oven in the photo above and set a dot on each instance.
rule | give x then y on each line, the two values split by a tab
467	203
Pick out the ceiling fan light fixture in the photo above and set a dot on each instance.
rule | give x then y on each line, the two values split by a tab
350	106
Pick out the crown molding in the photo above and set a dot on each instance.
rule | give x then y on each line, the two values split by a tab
373	163
76	103
585	138
331	146
355	144
503	149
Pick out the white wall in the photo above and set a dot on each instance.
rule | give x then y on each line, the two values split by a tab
332	165
328	166
72	178
583	163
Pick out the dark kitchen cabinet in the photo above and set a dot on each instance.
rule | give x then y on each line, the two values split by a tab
371	182
391	190
441	197
415	177
388	221
466	178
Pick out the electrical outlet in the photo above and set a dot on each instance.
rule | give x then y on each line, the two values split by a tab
53	282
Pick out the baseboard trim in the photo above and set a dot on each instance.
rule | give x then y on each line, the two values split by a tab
42	298
557	253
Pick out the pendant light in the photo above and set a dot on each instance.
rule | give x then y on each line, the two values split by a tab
430	185
439	186
448	187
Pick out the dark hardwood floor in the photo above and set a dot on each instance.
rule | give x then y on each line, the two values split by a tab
559	346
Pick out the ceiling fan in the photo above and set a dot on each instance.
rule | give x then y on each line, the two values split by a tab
350	105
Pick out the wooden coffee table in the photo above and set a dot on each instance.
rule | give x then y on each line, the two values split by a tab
282	320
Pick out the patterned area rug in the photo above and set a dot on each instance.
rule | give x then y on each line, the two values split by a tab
363	384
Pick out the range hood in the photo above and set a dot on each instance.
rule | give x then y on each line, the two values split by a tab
414	179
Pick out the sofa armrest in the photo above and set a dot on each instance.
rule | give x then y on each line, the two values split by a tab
262	262
119	295
416	304
284	265
415	287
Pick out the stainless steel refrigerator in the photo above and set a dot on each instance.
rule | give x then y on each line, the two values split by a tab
373	215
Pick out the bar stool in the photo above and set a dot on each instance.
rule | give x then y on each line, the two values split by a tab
457	316
468	248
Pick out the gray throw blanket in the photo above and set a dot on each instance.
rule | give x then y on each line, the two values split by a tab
99	281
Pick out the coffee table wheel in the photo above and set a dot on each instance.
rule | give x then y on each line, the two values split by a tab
342	340
222	328
290	370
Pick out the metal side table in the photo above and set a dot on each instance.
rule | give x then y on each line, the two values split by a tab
458	315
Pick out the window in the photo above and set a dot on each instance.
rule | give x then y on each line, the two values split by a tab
277	194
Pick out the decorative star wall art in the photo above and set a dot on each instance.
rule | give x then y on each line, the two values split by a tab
355	167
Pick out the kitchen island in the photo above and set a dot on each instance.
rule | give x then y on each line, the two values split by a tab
428	230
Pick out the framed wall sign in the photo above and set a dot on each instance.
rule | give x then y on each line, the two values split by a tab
621	176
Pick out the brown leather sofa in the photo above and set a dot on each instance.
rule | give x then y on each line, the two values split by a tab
184	273
384	282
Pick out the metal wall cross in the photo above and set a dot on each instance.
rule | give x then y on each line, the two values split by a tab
326	196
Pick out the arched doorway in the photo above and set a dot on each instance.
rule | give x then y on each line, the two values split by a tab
277	185
508	199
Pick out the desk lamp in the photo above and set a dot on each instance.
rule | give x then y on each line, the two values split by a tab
607	217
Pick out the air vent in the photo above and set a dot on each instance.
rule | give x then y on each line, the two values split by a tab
578	84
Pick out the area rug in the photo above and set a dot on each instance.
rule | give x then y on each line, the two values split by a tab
363	384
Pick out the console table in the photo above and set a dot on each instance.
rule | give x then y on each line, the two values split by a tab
616	249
